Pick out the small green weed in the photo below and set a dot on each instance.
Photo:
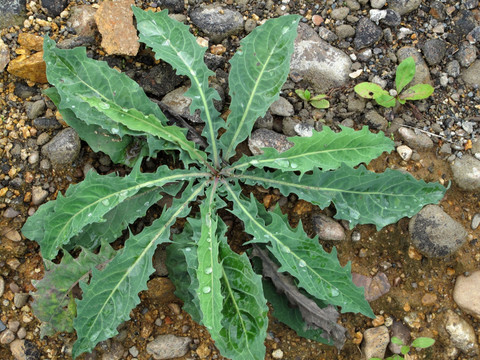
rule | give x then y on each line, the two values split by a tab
421	343
317	101
404	75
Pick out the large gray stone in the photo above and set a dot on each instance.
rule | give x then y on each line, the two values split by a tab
466	173
64	148
319	64
471	76
434	233
422	73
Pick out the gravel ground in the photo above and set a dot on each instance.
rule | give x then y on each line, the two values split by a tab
420	282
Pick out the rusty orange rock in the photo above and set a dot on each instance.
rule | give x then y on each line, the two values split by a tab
30	41
29	67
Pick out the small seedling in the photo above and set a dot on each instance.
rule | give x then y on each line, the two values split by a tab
421	343
317	101
404	75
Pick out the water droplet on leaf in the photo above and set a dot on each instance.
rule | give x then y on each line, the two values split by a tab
208	270
206	289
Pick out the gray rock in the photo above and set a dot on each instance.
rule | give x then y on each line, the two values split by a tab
267	138
46	123
405	152
159	80
366	33
24	350
374	287
2	326
10	213
471	76
377	4
303	129
321	65
82	20
464	22
392	18
76	41
35	109
415	140
466	172
265	122
179	104
345	31
20	299
462	334
24	91
327	34
474	35
466	55
38	195
470	4
43	138
422	73
327	228
404	6
375	121
466	293
7	336
13	12
340	13
475	221
375	342
64	148
400	331
174	6
288	125
434	233
281	107
216	21
168	346
453	68
53	8
115	351
2	286
4	55
159	261
434	51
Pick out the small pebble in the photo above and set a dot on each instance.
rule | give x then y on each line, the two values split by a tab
277	354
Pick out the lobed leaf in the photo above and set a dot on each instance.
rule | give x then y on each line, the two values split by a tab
172	42
148	124
360	196
74	76
325	149
87	202
113	292
317	271
405	73
259	69
53	303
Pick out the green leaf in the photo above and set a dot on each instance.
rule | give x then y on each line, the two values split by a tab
404	349
386	100
259	69
124	150
75	76
303	94
149	124
172	42
112	293
244	309
117	219
34	227
369	90
423	342
320	104
417	92
396	340
405	73
53	302
88	202
209	270
317	271
318	97
325	149
360	196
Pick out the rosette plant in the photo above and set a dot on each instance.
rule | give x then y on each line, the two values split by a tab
219	287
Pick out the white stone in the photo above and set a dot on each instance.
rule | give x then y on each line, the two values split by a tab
405	152
466	293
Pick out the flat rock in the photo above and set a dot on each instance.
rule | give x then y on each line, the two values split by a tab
4	55
434	51
168	346
217	21
327	228
374	287
53	8
471	76
367	33
375	342
281	107
434	233
466	293
82	20
376	121
466	172
319	64
115	23
29	67
422	73
13	13
462	335
64	148
415	140
262	138
404	6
